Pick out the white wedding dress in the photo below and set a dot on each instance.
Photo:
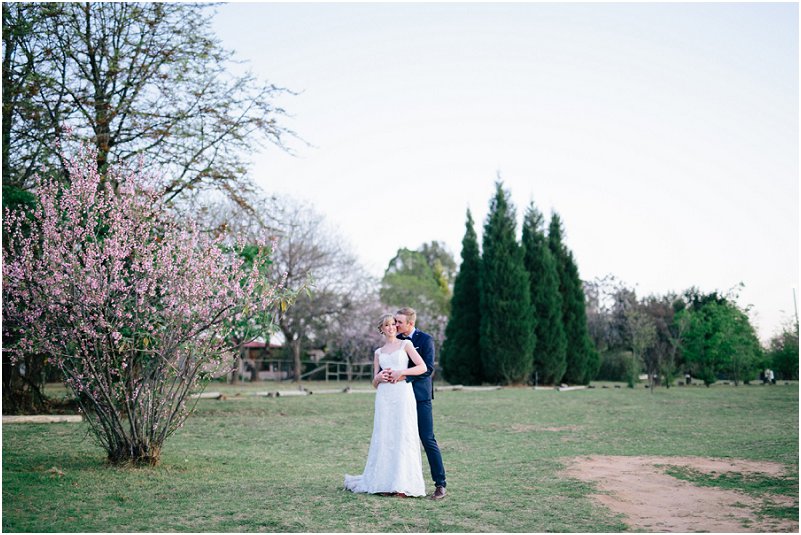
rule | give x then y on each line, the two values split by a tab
394	463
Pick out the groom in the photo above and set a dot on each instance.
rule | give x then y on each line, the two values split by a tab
423	393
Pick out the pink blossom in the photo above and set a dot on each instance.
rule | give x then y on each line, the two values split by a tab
132	303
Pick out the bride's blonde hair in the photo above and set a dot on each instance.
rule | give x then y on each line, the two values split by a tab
383	320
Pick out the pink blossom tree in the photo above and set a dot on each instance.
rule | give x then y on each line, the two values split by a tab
135	306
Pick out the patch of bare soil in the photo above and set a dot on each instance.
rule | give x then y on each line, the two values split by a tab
651	500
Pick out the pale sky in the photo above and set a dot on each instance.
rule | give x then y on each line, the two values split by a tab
665	135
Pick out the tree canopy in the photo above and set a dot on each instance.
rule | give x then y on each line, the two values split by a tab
719	339
133	79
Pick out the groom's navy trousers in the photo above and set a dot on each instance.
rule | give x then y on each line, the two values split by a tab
424	393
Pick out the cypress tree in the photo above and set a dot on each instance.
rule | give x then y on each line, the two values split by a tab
461	352
507	336
582	358
549	358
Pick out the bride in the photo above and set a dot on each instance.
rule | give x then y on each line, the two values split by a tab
394	464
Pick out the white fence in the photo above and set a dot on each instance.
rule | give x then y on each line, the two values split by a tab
284	370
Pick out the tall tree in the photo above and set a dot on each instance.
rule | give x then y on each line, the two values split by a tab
461	351
643	338
132	79
550	352
507	333
582	358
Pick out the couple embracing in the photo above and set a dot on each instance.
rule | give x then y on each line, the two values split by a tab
402	374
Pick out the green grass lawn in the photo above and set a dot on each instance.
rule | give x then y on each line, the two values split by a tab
277	464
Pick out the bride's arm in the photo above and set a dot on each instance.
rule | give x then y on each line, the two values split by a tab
379	375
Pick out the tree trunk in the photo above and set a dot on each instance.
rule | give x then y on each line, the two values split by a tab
234	377
296	355
23	393
255	374
8	94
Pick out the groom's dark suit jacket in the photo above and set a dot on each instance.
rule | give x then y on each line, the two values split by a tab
422	384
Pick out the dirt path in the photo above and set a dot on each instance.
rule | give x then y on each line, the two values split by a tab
651	500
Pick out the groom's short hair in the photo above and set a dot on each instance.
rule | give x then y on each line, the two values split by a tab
411	315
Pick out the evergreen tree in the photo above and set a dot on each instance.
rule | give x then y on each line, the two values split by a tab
461	353
507	334
549	357
582	358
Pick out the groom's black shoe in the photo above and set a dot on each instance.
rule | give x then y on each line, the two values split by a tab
439	493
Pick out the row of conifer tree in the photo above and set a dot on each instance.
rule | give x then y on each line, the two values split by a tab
518	308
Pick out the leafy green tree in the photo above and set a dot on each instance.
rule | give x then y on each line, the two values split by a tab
549	357
583	360
442	264
700	352
461	350
719	339
740	341
783	353
507	323
417	279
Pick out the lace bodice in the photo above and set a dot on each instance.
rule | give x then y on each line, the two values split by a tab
397	360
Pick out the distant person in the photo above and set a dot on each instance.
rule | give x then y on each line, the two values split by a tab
394	464
405	319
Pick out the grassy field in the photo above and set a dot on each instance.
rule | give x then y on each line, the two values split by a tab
277	464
